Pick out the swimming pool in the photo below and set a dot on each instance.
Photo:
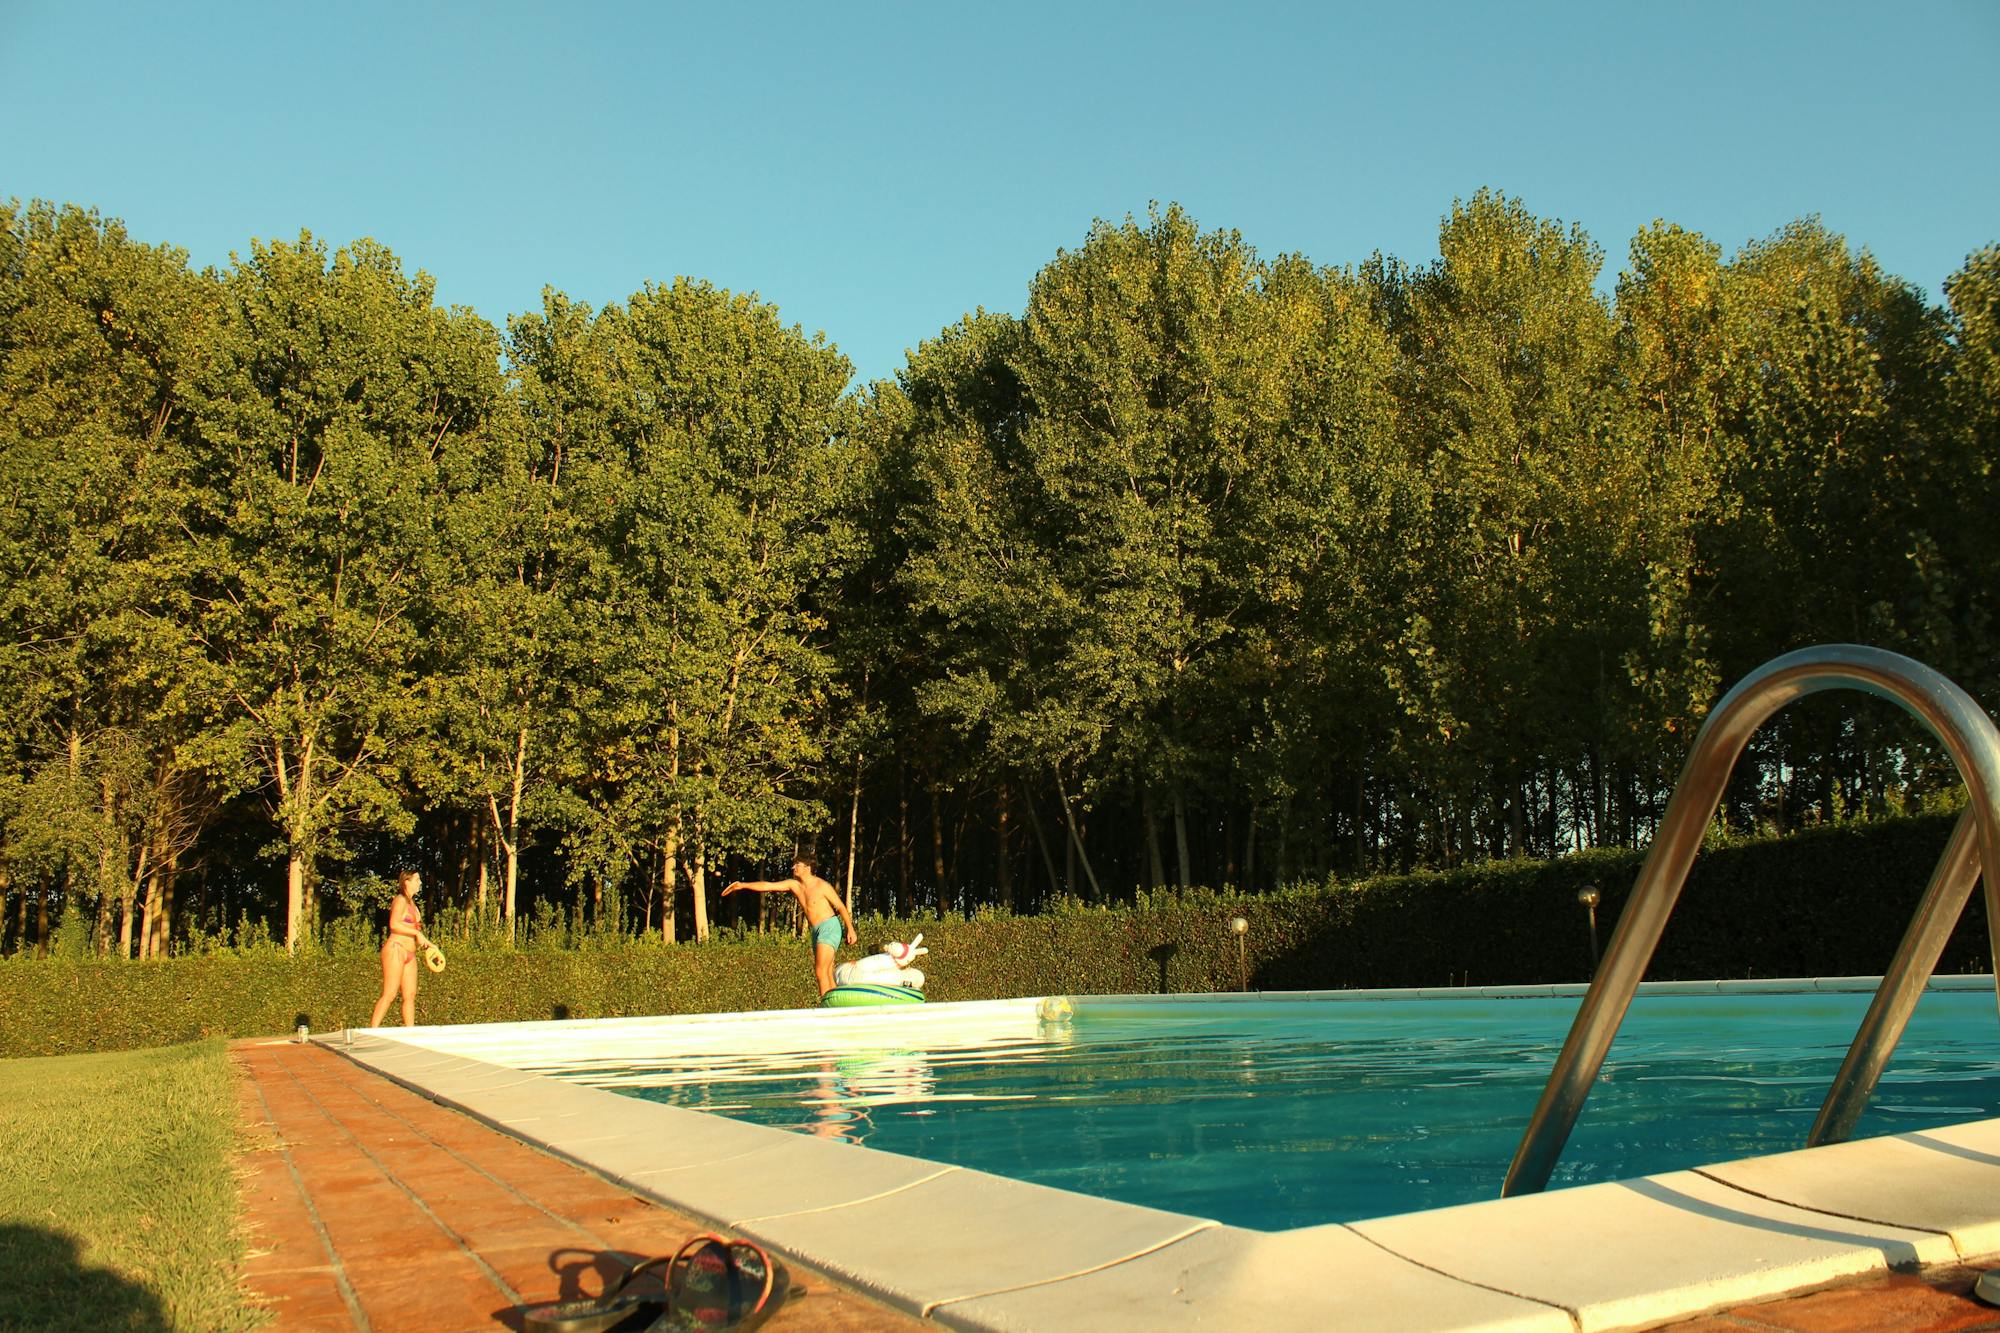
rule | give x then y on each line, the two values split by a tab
1292	1112
972	1249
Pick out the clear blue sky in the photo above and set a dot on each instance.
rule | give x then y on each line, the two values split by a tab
876	170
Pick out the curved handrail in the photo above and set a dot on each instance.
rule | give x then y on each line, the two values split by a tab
1967	733
1902	985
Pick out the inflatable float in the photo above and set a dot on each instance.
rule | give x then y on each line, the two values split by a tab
857	994
887	977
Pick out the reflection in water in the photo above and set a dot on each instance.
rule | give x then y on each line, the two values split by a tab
830	1115
844	1091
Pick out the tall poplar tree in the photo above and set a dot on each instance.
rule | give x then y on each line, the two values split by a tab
728	542
342	386
1508	353
101	339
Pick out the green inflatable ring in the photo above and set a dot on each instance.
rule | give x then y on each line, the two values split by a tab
866	993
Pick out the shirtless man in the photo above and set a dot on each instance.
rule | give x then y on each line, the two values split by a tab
826	914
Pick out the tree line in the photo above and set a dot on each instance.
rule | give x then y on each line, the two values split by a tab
1207	567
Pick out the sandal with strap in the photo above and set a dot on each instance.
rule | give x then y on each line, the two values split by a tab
613	1308
715	1283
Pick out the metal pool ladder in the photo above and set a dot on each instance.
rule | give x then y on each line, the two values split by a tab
1968	735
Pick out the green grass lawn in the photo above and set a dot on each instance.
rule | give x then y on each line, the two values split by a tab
118	1205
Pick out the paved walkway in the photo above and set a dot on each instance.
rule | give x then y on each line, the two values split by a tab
373	1209
1939	1301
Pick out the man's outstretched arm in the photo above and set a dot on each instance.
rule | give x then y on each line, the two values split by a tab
763	886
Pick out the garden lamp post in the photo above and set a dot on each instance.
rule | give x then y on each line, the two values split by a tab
1239	927
1587	895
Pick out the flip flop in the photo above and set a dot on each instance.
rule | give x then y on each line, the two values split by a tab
714	1283
608	1311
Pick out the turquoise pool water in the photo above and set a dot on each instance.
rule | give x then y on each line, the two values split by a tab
1279	1114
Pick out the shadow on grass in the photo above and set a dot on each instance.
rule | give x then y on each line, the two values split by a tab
44	1284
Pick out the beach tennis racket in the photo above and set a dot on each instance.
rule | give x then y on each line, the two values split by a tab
434	958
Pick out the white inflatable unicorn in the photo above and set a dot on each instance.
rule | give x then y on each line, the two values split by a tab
891	967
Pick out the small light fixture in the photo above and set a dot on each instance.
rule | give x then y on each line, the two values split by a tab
1589	897
1239	927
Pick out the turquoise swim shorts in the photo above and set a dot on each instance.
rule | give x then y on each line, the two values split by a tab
829	932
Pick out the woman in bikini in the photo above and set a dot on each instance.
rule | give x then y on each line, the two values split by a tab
399	951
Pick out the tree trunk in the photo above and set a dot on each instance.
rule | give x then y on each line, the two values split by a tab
1784	814
854	819
1003	866
511	840
902	839
295	898
295	799
160	904
70	886
1229	845
937	846
129	937
167	904
1076	841
672	848
1069	855
698	882
854	809
1156	866
1180	838
480	854
107	834
1517	800
467	851
1600	793
128	886
149	927
1041	841
670	859
1250	855
1284	857
1360	824
956	859
1552	820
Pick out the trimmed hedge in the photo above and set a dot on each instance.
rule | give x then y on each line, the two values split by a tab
1829	902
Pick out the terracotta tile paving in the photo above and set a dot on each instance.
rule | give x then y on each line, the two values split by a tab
1938	1301
374	1210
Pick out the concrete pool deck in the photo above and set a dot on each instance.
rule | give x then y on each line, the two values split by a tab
977	1251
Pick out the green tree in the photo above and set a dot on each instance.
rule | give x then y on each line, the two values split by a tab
533	538
1655	668
1506	349
1961	581
341	390
101	339
715	671
1830	405
1332	566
